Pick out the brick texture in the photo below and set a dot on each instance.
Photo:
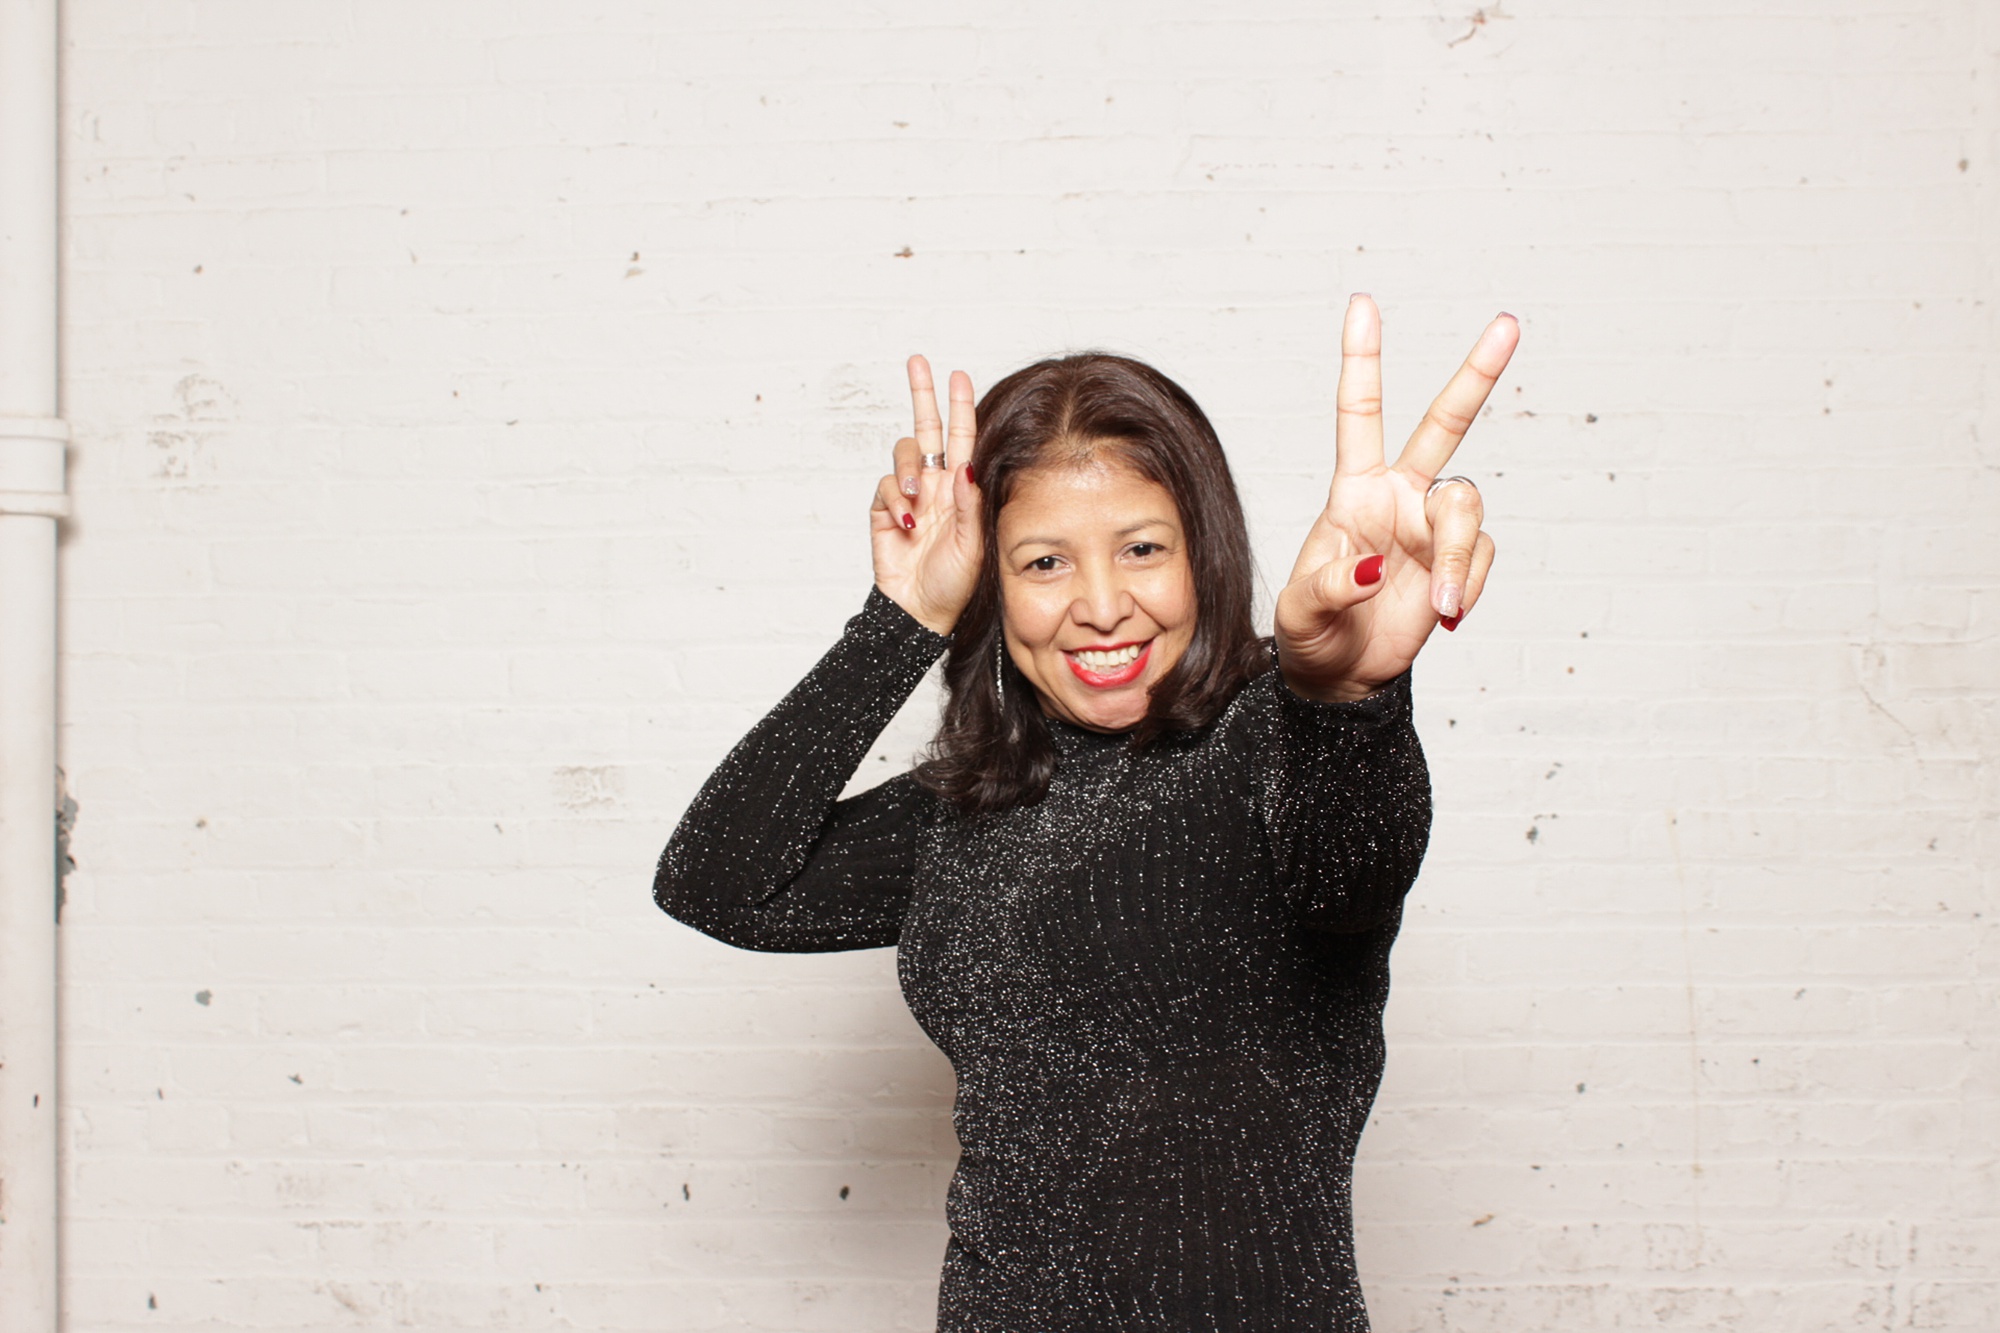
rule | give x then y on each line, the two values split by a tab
477	405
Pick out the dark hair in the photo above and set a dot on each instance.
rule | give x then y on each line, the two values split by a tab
991	754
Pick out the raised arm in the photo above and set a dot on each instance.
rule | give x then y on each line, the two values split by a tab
767	856
1396	552
1344	797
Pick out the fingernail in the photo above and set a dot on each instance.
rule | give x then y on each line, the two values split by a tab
1369	571
1448	601
909	485
910	522
1451	622
969	476
1504	314
1356	297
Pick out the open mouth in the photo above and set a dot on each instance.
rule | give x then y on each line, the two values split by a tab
1118	664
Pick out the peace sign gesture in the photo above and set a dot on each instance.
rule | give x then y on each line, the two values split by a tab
924	524
1392	554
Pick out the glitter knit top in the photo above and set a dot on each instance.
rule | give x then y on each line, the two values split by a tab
1161	985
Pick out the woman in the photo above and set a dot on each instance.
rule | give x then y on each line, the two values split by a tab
1143	889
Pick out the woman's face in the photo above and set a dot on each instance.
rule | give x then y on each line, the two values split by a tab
1096	592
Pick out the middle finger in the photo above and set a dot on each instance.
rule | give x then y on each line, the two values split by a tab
1451	413
923	402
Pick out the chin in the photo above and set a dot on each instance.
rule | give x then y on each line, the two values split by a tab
1121	713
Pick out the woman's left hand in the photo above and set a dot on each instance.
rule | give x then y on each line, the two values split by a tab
1388	558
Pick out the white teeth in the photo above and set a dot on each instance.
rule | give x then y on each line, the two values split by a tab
1112	659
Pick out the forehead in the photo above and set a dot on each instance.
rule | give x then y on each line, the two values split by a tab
1076	500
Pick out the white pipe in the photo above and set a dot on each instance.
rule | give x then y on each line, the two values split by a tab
31	500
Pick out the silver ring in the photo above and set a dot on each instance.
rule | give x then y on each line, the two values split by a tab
934	460
1443	482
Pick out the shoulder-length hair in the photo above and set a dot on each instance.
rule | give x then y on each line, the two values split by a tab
993	750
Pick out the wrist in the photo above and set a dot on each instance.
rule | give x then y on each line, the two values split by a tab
1330	692
929	617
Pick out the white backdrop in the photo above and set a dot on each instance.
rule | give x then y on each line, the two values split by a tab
477	405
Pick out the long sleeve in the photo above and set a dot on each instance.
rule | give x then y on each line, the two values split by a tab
768	857
1345	800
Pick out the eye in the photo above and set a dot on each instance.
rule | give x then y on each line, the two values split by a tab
1045	564
1144	550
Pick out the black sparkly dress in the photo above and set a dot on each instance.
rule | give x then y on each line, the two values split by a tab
1161	986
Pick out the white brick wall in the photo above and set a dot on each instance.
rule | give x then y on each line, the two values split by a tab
476	406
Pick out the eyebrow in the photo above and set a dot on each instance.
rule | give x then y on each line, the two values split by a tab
1126	531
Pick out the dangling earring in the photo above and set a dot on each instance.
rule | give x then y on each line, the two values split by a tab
1000	668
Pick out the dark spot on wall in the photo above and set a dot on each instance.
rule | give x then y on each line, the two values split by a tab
65	822
151	1304
1590	418
1579	1089
203	997
843	1191
684	1192
296	1079
906	253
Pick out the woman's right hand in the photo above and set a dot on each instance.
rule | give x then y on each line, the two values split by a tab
925	525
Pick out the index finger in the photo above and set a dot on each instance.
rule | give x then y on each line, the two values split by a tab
1452	412
923	399
964	428
1357	431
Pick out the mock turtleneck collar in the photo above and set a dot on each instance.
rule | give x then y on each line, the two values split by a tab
1071	740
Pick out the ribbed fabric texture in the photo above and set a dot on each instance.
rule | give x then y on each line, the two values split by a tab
1161	986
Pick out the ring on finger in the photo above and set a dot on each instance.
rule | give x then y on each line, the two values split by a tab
1435	486
935	460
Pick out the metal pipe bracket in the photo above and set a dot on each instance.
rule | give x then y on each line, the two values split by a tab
32	453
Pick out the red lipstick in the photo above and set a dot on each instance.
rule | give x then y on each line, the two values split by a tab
1104	680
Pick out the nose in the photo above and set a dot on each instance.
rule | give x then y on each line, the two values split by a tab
1103	602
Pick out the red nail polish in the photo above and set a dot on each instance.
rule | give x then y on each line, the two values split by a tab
968	475
1451	622
910	522
1369	571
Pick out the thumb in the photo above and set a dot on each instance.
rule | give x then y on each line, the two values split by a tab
965	501
1339	584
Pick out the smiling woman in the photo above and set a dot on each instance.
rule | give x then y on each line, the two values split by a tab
1115	527
1144	888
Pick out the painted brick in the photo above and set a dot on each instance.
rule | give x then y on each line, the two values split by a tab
476	414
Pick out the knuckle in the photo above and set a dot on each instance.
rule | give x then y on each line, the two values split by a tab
1450	418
